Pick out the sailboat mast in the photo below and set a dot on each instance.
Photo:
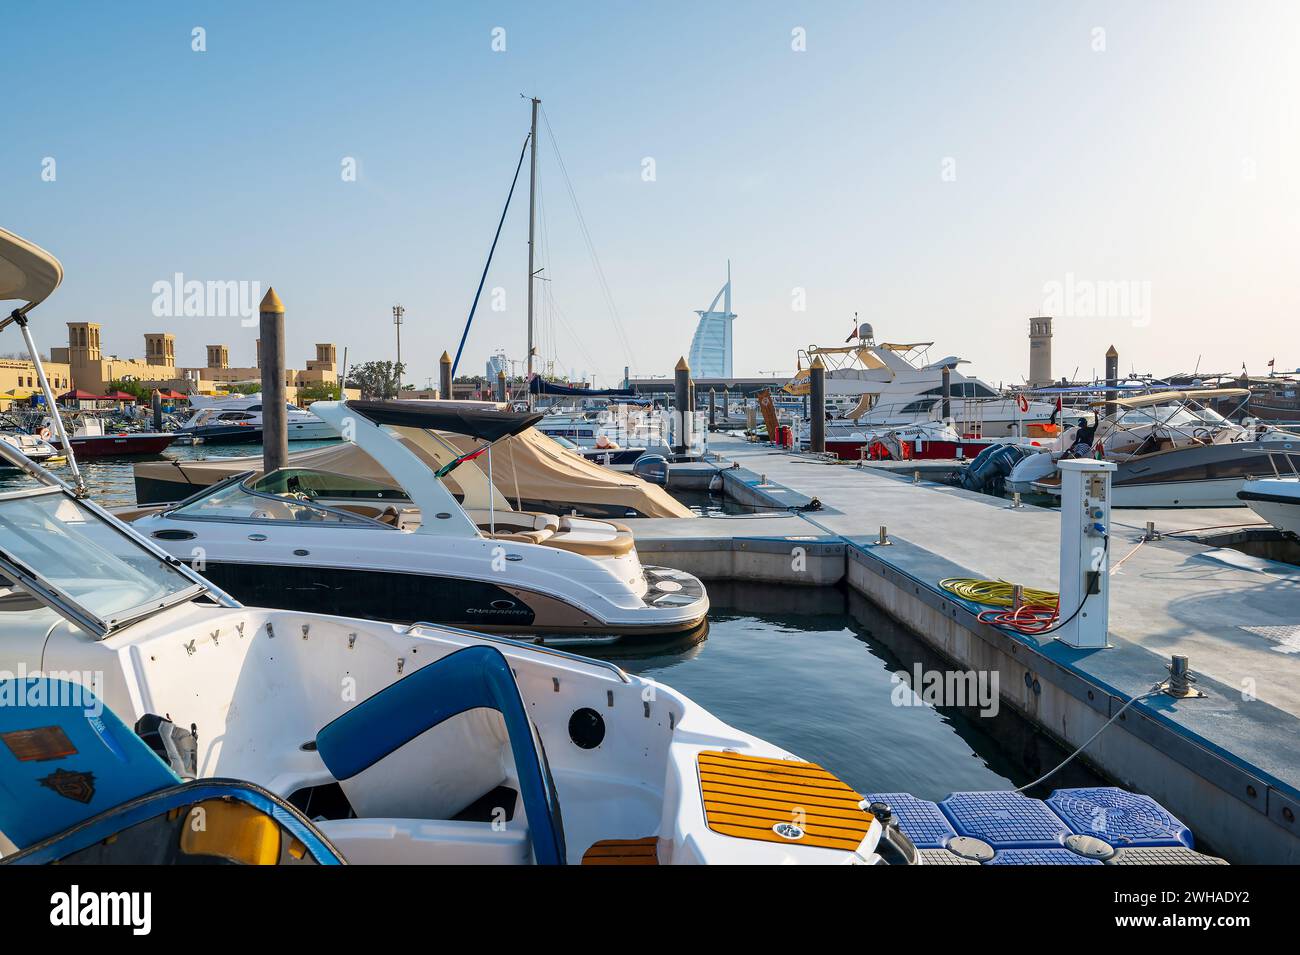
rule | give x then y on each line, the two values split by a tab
532	223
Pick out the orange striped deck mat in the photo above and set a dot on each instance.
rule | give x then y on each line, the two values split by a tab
749	797
622	852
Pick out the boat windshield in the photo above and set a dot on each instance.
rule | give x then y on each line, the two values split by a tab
328	484
81	564
1182	417
286	497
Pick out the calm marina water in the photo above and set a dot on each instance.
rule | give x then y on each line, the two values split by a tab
813	670
817	672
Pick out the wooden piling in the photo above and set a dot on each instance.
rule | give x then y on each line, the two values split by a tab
817	413
275	420
444	377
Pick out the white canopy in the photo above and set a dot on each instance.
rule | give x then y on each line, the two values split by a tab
1169	397
27	272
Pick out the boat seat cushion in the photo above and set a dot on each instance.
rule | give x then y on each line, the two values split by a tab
524	537
622	543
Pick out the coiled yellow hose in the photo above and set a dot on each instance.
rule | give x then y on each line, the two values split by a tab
997	593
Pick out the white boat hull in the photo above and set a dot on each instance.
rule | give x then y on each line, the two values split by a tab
1277	500
1221	493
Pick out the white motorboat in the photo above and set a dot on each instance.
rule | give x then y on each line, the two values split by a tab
402	744
871	384
31	446
1173	451
238	420
435	540
1276	498
534	472
615	428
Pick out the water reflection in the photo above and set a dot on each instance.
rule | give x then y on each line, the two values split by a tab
817	671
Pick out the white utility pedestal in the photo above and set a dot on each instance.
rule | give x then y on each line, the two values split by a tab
1085	557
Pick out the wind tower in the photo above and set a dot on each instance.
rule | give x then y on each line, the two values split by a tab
710	354
1040	352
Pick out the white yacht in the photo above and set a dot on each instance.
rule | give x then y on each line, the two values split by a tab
436	540
872	386
238	420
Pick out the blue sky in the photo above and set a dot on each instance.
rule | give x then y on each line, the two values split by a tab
935	167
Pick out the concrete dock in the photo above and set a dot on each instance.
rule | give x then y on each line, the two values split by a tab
1227	763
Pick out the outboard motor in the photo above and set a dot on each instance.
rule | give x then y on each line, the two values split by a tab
651	467
990	466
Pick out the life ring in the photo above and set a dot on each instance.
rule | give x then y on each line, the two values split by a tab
44	433
1023	402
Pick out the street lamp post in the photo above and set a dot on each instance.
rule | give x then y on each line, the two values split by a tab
398	312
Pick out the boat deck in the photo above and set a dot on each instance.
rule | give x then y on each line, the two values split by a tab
1236	617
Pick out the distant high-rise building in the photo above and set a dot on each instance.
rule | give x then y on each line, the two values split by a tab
710	355
496	364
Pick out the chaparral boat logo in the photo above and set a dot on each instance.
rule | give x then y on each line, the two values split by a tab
79	787
500	607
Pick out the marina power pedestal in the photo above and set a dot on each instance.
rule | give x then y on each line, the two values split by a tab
1085	533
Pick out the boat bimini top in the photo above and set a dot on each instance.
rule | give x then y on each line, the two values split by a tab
1173	397
27	272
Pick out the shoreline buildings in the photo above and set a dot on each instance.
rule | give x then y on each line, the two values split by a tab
89	369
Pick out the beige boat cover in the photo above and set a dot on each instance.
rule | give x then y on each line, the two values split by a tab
528	466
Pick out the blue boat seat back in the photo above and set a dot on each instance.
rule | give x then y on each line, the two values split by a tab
471	678
65	757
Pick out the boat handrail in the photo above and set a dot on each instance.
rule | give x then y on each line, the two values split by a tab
618	671
1289	455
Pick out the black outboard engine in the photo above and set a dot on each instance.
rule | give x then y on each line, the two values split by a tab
651	467
990	466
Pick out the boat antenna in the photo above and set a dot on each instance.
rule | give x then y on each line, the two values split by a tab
19	317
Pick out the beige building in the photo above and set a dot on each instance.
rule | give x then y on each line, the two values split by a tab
86	366
18	379
93	372
321	370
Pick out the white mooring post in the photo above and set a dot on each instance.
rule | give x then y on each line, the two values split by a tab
1085	531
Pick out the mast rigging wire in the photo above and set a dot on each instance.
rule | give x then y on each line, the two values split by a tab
487	265
591	248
